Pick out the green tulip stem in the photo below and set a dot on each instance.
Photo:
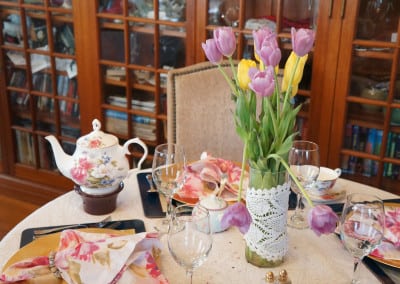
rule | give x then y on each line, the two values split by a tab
244	159
294	178
277	95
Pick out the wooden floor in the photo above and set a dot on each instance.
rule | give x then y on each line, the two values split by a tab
12	211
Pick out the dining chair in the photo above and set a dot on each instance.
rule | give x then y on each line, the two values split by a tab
200	112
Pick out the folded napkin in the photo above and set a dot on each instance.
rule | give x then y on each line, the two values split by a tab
83	257
208	175
390	246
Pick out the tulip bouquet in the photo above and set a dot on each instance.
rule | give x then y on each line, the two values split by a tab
268	133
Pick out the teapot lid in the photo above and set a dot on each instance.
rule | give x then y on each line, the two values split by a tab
97	138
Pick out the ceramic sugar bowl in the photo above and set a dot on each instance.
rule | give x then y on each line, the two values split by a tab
98	164
216	206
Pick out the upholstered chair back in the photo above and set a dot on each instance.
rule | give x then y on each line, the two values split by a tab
200	112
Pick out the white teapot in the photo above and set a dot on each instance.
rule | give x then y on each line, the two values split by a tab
98	164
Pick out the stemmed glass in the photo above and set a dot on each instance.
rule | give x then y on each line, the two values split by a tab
168	171
304	163
190	237
361	226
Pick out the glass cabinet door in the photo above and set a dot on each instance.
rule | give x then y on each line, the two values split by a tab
38	46
279	16
139	42
370	134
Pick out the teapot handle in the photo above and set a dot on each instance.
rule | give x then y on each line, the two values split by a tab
143	145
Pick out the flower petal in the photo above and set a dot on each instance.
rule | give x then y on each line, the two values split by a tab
237	215
322	220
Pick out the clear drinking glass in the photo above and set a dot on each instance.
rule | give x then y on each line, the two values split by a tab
190	237
361	226
168	173
304	163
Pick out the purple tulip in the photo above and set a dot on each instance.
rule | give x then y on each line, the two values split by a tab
266	47
225	40
211	51
260	35
262	82
237	215
302	41
322	220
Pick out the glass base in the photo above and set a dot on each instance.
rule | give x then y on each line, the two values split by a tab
297	221
257	260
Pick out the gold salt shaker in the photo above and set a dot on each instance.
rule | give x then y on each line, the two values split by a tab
283	277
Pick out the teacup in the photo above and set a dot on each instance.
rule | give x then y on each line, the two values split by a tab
326	180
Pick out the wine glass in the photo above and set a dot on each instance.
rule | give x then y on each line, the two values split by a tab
168	171
190	237
361	226
304	163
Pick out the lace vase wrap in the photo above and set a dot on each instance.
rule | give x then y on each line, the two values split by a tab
268	208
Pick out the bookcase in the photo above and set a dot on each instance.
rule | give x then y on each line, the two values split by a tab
65	62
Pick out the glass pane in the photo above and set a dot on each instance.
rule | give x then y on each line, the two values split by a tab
34	2
142	48
172	52
378	20
142	8
111	6
12	32
66	4
144	77
37	31
24	147
112	45
64	41
172	10
69	107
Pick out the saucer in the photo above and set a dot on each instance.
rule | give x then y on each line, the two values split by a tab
335	195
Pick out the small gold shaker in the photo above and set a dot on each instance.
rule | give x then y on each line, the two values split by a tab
283	277
270	277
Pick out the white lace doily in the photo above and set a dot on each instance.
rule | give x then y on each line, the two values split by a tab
267	235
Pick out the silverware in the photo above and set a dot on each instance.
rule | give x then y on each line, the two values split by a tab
41	232
149	179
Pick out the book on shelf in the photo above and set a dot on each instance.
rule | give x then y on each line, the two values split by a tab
120	126
135	118
136	104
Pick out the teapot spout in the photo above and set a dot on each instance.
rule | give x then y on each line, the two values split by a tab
62	159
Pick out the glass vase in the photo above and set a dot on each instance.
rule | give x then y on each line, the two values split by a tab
267	200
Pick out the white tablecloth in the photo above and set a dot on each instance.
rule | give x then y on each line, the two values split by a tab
310	259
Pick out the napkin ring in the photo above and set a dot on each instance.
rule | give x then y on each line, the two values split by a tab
52	265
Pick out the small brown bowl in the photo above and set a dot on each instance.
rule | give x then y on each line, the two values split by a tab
99	204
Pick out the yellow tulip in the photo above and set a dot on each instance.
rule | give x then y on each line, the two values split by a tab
243	72
287	73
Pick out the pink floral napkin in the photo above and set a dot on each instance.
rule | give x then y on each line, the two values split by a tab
84	257
390	247
207	175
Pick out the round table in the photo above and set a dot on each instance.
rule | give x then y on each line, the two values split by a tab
310	259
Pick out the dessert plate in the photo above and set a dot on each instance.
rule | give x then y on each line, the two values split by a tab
387	249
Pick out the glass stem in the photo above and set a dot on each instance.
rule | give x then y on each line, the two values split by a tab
299	206
354	280
169	208
189	276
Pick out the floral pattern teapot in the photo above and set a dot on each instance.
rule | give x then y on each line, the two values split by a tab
98	164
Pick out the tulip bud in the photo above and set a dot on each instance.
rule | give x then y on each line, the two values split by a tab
262	82
211	51
322	220
302	41
243	72
225	40
288	72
